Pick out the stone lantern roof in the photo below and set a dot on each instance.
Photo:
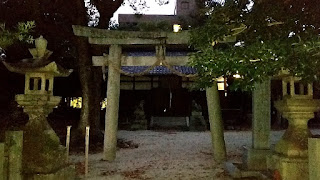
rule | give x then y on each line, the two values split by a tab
39	63
39	71
50	68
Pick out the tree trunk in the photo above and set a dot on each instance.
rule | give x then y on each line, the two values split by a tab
85	71
85	76
97	98
90	79
106	10
216	123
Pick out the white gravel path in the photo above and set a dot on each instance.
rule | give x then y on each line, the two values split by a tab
168	155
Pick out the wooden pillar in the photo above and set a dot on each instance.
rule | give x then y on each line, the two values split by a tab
216	123
113	94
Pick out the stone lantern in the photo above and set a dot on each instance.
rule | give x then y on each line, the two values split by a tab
42	157
290	157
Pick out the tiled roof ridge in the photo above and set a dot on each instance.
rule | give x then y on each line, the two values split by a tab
159	70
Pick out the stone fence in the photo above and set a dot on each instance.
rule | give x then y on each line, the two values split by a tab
11	156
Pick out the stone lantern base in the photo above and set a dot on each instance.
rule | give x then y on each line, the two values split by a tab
289	168
290	157
62	174
44	158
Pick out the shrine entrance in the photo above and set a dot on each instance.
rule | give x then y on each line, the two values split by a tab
167	104
159	74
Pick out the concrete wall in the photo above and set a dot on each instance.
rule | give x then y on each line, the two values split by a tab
132	18
184	8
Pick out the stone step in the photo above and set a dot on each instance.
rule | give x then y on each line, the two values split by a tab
236	171
167	122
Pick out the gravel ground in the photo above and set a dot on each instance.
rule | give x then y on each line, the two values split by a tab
167	155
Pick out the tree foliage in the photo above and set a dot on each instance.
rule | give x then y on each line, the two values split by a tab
21	33
54	21
256	39
140	5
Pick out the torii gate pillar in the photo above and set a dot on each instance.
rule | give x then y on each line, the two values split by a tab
113	95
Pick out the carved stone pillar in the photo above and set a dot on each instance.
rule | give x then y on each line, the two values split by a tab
112	110
255	158
216	123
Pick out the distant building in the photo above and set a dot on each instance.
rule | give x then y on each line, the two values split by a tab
184	10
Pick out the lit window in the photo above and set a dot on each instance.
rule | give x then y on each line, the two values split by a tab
220	83
176	28
104	103
237	75
220	86
76	102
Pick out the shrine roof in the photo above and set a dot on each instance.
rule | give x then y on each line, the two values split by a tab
159	70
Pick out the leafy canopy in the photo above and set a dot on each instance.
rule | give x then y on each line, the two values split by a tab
21	33
256	39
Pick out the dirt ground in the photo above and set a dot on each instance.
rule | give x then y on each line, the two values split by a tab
166	155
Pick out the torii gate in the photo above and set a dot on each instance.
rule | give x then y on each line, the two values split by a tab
116	39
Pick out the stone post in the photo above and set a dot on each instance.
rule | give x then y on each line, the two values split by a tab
261	123
113	94
14	144
255	158
2	177
216	123
314	158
